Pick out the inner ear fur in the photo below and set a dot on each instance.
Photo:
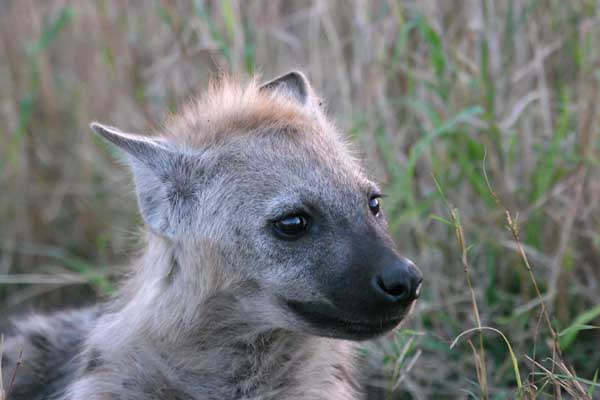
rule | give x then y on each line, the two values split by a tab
164	179
293	84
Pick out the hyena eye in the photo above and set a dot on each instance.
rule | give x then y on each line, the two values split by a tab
375	204
291	227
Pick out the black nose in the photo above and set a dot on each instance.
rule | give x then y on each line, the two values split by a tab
399	282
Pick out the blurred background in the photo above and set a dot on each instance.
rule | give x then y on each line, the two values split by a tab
480	118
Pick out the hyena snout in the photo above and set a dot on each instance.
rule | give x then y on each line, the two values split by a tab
398	282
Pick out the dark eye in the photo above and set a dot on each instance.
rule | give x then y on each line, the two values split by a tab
374	204
291	227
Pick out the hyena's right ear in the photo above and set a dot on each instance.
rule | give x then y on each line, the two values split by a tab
163	179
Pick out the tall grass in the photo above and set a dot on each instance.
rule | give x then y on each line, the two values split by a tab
510	251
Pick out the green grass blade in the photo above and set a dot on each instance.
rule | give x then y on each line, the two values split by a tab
568	335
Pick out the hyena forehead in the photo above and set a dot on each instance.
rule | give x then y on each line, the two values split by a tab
230	109
266	124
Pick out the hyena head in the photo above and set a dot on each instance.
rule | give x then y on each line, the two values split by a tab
253	183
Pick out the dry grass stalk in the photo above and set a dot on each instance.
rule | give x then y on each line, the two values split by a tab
513	226
479	357
14	374
565	379
2	393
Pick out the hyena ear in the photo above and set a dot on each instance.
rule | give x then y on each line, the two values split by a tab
143	148
294	84
163	179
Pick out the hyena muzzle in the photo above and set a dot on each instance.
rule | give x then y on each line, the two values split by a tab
267	252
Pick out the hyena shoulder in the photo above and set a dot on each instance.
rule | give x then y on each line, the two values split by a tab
46	348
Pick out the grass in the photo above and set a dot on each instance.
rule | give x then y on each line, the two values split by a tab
510	249
5	390
2	391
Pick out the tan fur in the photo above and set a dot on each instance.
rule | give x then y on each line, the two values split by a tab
229	108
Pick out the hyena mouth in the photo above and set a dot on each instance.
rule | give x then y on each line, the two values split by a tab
323	319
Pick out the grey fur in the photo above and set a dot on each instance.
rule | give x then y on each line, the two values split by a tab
205	313
50	353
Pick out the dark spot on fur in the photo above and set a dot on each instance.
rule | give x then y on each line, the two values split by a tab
338	372
175	268
286	358
40	341
148	197
94	361
127	383
180	191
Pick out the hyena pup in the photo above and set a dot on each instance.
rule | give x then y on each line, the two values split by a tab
267	255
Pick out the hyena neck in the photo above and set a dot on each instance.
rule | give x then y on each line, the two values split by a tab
198	336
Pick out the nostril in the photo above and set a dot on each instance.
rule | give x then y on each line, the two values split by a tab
398	289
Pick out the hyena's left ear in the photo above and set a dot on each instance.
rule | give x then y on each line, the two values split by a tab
293	84
164	179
